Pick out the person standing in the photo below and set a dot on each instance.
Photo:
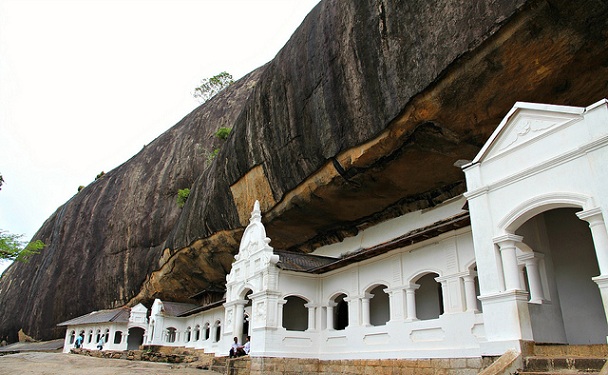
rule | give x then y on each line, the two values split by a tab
100	343
79	341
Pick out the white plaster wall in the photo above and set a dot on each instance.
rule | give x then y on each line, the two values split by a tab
109	345
453	334
542	157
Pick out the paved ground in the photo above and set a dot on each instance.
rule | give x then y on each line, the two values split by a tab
43	346
53	363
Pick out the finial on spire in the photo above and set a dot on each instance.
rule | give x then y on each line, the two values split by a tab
256	214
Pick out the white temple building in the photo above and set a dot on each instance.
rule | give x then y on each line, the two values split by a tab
521	256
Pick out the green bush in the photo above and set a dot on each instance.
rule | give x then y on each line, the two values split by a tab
182	196
223	133
212	155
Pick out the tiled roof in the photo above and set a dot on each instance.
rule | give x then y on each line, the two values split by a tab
198	309
176	308
120	315
301	262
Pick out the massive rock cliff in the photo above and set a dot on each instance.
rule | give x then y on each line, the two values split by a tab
359	118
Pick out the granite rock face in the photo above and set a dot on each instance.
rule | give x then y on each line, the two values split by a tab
359	118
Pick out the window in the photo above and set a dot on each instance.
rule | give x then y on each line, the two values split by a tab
218	330
90	336
117	337
340	313
171	333
429	297
295	314
72	337
197	333
379	306
207	329
107	335
188	334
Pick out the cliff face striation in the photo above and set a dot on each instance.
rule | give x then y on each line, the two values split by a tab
359	118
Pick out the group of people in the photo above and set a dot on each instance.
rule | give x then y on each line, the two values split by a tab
80	340
238	350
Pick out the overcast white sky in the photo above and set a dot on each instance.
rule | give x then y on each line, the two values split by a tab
85	84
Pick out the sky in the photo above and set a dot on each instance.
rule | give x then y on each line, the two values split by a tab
85	84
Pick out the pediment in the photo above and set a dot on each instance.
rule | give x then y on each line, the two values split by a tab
525	123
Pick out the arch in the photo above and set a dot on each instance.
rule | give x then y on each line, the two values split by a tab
296	295
340	311
135	338
416	276
539	204
197	332
72	337
429	296
558	263
188	337
117	337
206	331
90	336
217	331
107	335
379	305
171	333
295	313
244	291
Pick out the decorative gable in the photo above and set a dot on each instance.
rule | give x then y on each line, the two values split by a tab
138	314
526	123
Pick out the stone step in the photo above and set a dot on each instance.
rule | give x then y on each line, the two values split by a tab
561	372
594	350
559	364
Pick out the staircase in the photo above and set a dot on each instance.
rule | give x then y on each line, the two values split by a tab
564	359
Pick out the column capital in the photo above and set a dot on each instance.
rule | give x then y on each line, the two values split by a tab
591	215
507	239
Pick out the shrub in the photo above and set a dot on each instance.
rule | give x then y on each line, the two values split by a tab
223	133
182	196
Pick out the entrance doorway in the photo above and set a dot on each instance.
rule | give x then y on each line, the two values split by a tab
136	338
570	310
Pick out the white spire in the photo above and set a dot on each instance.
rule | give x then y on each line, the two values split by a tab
256	214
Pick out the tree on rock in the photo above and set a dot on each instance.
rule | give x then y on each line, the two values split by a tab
211	86
13	248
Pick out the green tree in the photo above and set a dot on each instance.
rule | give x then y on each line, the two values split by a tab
13	248
211	86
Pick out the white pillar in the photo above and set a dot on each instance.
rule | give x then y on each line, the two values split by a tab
280	305
238	318
365	321
311	316
534	281
354	309
395	303
508	255
469	292
600	236
410	296
330	315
